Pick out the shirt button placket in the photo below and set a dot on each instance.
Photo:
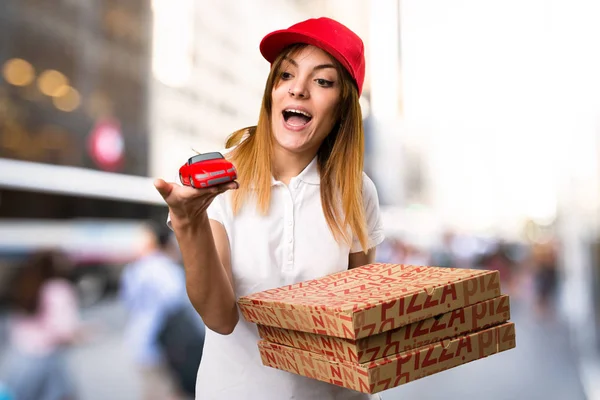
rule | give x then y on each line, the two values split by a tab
289	231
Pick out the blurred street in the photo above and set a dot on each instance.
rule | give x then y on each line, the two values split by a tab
483	144
541	367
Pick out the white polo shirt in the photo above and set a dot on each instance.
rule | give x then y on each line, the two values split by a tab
291	244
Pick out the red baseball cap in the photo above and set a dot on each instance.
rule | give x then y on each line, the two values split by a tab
326	34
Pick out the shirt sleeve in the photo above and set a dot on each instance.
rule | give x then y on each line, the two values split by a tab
216	209
375	232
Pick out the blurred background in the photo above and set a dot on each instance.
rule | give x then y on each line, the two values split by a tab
483	137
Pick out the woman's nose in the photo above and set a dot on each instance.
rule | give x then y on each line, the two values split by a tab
299	91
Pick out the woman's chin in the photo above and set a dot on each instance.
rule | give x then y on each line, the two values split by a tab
291	141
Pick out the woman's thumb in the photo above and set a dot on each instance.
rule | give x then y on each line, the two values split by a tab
163	188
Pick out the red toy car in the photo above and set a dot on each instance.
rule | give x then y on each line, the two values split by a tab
206	170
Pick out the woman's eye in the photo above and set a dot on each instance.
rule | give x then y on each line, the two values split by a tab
286	75
324	82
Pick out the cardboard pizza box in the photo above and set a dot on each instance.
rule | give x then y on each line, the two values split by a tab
389	372
369	300
453	323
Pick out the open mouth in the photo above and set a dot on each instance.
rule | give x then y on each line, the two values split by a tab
296	118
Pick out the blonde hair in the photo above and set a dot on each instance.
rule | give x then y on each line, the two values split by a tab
340	159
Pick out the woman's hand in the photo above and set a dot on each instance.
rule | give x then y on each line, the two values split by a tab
204	251
187	204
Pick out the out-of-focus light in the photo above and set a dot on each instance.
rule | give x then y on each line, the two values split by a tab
98	105
52	83
68	101
18	72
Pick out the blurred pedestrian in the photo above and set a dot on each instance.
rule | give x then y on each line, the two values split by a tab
44	322
304	208
546	276
444	255
163	332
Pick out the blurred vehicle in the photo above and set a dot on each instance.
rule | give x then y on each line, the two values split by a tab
98	250
205	170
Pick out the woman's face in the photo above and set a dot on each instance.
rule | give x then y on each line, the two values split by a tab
304	101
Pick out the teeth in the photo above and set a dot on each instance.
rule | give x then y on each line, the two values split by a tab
299	112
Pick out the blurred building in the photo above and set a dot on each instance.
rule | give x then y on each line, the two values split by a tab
73	93
507	121
74	133
208	75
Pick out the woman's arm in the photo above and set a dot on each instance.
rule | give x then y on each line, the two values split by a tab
205	252
374	227
359	259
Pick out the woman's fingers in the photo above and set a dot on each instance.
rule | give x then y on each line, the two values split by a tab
163	188
176	195
233	185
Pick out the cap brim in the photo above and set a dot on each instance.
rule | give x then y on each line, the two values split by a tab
275	42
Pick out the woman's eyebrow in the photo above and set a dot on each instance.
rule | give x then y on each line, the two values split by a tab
323	66
318	67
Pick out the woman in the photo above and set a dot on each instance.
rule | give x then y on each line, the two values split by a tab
303	207
44	323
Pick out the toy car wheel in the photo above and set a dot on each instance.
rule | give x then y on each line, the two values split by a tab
181	179
192	183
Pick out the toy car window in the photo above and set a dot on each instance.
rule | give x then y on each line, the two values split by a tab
204	157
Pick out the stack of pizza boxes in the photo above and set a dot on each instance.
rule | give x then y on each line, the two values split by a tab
381	325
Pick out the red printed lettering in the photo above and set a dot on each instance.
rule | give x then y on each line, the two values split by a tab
391	349
387	325
464	342
303	319
322	369
485	340
306	361
282	337
429	302
292	366
270	358
445	355
437	325
494	283
318	321
351	353
331	323
413	307
503	305
509	334
470	288
384	309
400	374
348	333
370	329
250	314
326	342
362	386
459	315
479	312
335	371
449	290
347	373
418	330
428	361
417	360
287	314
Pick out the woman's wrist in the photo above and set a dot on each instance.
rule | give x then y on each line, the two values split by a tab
181	223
